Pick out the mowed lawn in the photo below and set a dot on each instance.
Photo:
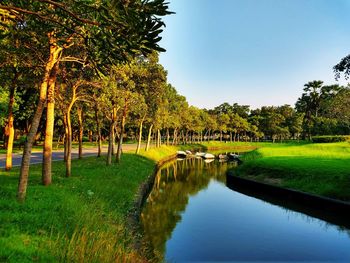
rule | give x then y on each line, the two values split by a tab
77	219
322	169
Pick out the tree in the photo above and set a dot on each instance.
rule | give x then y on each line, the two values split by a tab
74	82
241	110
338	109
151	86
314	102
15	61
109	32
342	67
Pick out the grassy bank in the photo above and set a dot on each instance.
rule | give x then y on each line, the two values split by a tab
80	219
157	154
322	169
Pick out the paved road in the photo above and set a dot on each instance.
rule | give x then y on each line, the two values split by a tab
37	157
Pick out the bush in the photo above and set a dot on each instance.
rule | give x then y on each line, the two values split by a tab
86	139
20	141
331	138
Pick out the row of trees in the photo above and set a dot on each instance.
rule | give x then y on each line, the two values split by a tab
50	45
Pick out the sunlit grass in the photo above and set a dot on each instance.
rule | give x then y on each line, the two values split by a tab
322	169
80	217
320	150
157	154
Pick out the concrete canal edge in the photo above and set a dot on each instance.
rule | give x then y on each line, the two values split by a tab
133	217
328	209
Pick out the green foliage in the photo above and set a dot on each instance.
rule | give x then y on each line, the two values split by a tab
324	109
109	30
343	67
3	106
330	138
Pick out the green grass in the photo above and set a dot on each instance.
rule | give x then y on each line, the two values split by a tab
322	169
157	154
79	219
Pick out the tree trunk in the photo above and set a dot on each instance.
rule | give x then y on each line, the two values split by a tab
69	145
167	136
110	143
114	135
140	137
149	137
174	137
230	136
81	130
158	138
90	135
65	136
111	136
55	53
50	120
122	127
99	143
10	128
220	136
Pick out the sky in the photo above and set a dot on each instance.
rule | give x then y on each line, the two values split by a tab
253	52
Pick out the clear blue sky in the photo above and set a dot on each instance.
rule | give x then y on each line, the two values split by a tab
255	52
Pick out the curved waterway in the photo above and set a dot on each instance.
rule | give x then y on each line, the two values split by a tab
192	215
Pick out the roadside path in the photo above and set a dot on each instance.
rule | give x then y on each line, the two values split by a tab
57	155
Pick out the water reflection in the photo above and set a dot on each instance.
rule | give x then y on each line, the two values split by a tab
174	183
192	216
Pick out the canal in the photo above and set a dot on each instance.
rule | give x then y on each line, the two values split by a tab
192	215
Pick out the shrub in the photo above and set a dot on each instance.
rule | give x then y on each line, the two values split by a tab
85	138
20	141
331	138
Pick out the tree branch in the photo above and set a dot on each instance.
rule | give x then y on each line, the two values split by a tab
73	59
63	8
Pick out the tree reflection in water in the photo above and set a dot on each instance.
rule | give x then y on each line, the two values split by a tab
174	184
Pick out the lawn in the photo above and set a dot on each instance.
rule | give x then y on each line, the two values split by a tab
322	169
77	219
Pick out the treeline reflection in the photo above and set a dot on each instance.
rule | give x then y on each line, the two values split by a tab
174	184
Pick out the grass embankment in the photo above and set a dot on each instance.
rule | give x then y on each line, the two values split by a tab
77	219
322	169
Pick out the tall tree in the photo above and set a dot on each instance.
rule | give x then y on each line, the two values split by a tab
314	103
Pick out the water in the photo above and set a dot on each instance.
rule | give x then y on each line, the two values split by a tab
191	215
